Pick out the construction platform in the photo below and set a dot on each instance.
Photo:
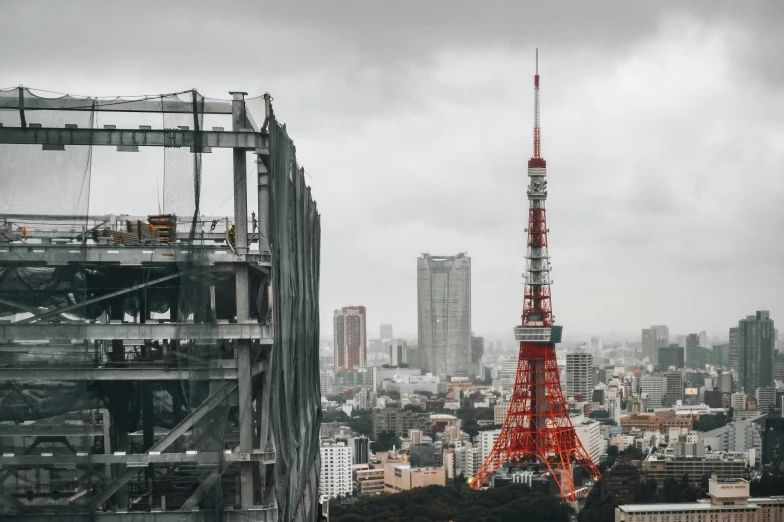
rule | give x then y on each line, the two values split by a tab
163	366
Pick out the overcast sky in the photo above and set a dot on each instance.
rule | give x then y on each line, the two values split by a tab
662	126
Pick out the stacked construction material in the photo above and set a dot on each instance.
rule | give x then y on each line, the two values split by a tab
165	227
160	229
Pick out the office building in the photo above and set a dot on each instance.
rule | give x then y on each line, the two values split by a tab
415	358
444	313
773	440
737	436
350	345
754	341
738	401
766	398
404	477
398	352
360	450
653	386
671	356
596	349
385	331
674	391
368	481
335	477
692	342
499	412
579	375
400	422
477	351
347	380
720	355
661	467
654	338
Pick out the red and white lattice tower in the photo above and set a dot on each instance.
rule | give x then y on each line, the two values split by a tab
537	426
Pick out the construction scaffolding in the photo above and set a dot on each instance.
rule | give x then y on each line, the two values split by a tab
158	367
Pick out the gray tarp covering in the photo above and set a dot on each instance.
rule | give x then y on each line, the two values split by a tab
295	234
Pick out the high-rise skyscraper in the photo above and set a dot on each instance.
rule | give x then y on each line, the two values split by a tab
753	345
350	338
477	351
653	338
398	349
579	375
597	350
671	356
444	310
385	331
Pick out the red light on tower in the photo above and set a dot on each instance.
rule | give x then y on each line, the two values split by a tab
537	426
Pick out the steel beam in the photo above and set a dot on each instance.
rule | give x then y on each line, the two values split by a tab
25	254
51	430
58	373
76	306
266	513
157	105
110	331
245	139
211	402
139	460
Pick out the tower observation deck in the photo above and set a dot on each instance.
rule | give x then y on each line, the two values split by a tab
161	366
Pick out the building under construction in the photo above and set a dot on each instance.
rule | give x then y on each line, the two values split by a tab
161	366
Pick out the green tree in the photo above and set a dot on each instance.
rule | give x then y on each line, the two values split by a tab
385	441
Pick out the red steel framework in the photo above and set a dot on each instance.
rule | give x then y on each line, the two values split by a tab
537	425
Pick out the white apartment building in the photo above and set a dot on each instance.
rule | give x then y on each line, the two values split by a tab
486	441
590	434
335	476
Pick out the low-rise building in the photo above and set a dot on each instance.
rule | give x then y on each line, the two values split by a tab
369	481
725	466
659	421
402	477
499	412
622	481
400	422
728	502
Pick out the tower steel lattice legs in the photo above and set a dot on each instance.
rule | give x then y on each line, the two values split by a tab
537	425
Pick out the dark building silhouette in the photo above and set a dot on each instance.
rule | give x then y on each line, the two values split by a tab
623	481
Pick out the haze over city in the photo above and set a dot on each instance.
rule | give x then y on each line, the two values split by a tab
391	261
660	123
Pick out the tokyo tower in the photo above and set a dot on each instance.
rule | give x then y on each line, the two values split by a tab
537	426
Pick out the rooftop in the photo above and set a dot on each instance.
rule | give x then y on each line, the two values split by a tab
692	506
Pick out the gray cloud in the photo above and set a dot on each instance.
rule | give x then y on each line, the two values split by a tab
661	126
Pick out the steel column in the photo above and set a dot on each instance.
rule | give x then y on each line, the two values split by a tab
244	382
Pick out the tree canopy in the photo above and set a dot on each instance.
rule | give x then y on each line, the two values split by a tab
385	441
457	503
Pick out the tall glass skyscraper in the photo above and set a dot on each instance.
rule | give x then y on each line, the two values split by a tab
751	351
444	311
